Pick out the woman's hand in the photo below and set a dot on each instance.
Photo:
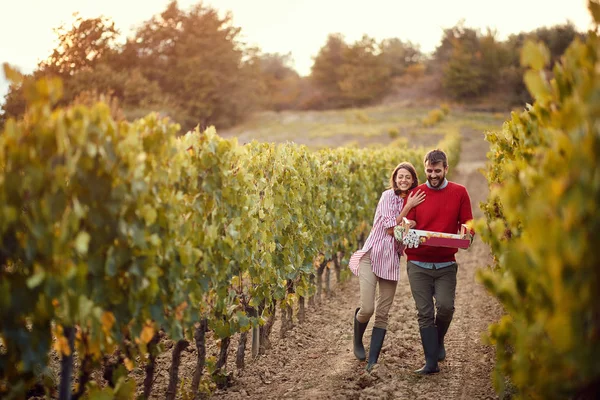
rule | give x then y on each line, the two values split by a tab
415	198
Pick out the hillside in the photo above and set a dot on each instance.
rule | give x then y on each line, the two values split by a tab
361	127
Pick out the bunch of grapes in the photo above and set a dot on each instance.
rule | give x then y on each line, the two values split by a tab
411	239
399	233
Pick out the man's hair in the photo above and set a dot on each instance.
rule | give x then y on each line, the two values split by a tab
436	156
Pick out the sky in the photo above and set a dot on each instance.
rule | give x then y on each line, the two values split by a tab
299	27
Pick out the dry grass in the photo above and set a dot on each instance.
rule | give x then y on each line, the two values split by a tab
362	126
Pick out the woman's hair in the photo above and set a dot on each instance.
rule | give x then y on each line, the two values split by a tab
409	167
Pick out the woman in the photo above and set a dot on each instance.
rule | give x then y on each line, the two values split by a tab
379	260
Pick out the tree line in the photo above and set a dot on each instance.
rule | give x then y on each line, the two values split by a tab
193	67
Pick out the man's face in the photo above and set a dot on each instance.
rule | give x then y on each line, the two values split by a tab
435	173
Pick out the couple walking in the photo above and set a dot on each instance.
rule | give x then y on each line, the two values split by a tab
437	205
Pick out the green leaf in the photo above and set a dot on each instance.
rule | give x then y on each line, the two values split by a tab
82	242
243	319
222	329
96	393
36	279
537	85
85	307
110	266
125	389
534	55
10	214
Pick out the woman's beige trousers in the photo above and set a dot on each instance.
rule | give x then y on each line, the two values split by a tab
368	283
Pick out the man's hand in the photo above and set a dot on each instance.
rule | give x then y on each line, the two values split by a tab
467	232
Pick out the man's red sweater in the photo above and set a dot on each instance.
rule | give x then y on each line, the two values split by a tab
442	211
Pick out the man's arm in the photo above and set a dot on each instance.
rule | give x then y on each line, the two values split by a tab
466	214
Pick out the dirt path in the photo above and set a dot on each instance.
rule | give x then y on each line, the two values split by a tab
315	359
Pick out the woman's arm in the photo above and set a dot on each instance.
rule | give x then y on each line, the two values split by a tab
387	209
413	200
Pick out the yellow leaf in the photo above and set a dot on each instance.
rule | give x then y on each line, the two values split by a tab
155	240
558	187
594	8
10	214
147	334
12	74
128	364
559	329
94	350
179	311
149	214
107	320
61	346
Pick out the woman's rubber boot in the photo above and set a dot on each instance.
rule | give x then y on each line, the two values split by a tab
442	327
359	331
429	339
376	342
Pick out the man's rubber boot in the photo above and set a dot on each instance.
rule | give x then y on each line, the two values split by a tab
429	339
442	327
359	331
376	342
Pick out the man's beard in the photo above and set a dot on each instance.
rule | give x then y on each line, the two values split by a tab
439	181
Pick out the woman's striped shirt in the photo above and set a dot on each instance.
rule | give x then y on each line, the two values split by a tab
385	249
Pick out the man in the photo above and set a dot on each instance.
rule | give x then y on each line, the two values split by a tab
432	270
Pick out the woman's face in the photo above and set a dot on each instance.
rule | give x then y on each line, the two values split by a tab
404	179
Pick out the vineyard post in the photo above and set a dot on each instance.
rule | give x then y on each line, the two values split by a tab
255	341
301	309
327	280
255	332
311	281
66	365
